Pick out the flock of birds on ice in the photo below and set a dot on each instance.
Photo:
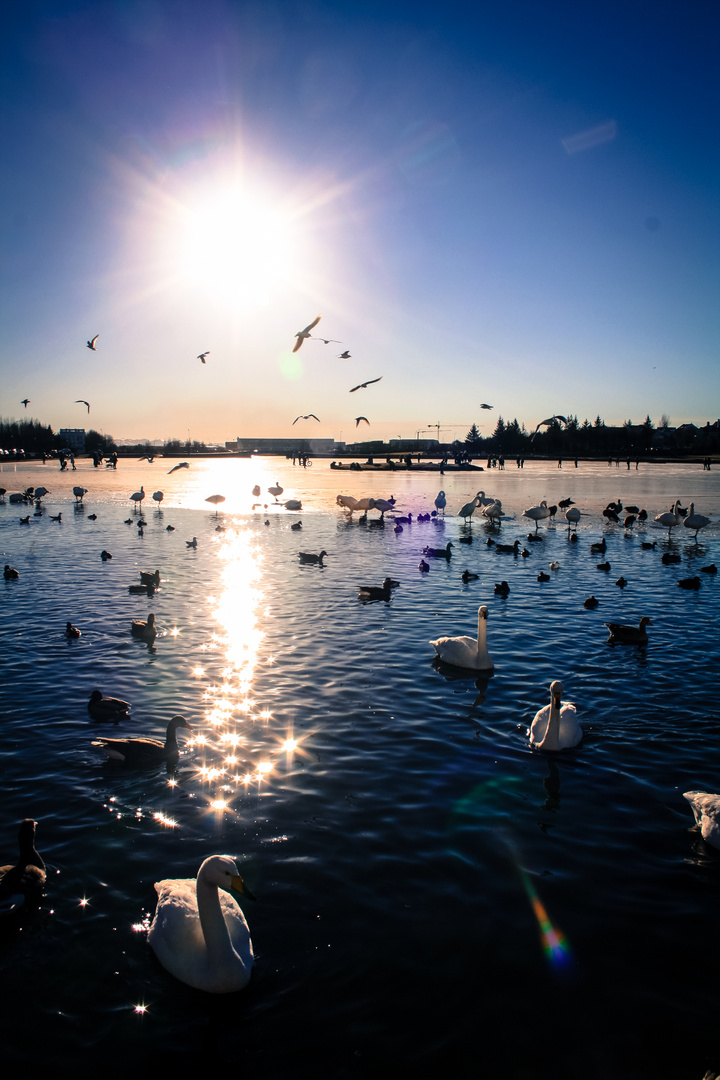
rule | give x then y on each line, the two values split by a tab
199	932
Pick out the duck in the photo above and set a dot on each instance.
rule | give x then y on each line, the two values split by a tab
191	543
72	631
508	549
467	652
256	491
695	521
276	491
144	629
542	576
706	809
537	513
689	583
198	933
604	566
631	635
92	517
533	538
439	553
711	569
141	751
621	582
145	590
554	565
599	549
556	727
146	578
465	539
668	558
647	546
467	576
296	526
107	708
502	588
311	557
423	567
22	883
672	519
377	592
293	504
590	603
105	555
10	574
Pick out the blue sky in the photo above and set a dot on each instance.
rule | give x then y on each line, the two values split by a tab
513	204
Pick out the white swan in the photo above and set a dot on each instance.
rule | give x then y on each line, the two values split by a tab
672	519
493	511
695	521
572	516
706	809
138	496
276	491
199	934
158	496
469	509
537	513
467	652
555	727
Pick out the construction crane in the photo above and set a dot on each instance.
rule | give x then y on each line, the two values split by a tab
438	426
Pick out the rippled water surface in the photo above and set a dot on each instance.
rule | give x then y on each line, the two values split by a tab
432	895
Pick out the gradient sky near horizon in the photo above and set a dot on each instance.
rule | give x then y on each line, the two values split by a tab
514	204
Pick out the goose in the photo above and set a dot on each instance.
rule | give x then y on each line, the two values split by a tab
79	493
537	513
198	933
555	727
439	553
310	557
144	629
22	882
138	496
377	592
572	516
276	491
695	521
141	751
293	504
672	519
440	501
158	496
72	631
467	652
706	809
107	708
631	635
146	578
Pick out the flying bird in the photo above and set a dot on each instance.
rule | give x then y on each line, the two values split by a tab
307	417
302	334
203	355
91	344
182	465
484	406
25	401
81	401
545	423
362	384
359	418
326	341
344	355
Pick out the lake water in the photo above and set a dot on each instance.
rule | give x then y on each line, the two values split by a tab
432	895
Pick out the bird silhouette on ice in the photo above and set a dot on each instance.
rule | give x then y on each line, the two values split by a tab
303	334
363	384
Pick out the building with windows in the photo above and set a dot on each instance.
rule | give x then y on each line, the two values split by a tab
74	438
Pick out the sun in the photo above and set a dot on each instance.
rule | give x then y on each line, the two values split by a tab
235	247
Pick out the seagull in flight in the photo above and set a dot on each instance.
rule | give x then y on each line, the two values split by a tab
344	355
203	355
484	406
25	401
359	418
81	401
182	465
91	344
302	334
545	423
326	341
307	417
362	384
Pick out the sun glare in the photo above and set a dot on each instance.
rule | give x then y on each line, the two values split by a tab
236	248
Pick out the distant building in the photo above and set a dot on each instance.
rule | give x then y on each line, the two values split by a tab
283	446
74	438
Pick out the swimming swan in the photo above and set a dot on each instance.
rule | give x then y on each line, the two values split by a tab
24	881
706	809
556	726
199	934
467	652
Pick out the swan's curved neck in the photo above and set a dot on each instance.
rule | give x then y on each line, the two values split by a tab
482	638
212	920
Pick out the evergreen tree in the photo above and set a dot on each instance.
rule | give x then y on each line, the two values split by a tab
473	436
